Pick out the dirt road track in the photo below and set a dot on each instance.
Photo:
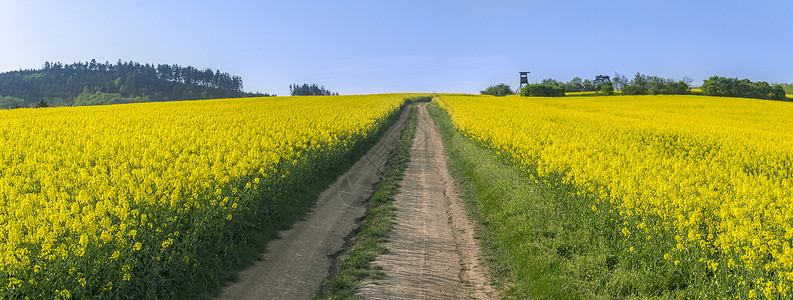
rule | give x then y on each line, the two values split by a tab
432	252
294	265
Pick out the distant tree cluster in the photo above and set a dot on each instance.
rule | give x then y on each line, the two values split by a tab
87	97
62	84
788	87
498	90
579	85
309	90
11	102
640	85
654	85
734	87
548	88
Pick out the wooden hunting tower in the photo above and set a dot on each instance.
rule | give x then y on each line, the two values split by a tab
524	79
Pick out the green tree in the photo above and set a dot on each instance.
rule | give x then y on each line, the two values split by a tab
639	80
309	90
575	85
589	86
734	87
500	89
601	79
42	104
11	102
633	89
551	81
61	83
778	92
619	81
607	88
603	84
543	90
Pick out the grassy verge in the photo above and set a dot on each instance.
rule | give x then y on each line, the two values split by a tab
545	242
375	227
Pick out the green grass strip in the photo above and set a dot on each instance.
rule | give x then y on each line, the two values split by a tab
544	242
376	226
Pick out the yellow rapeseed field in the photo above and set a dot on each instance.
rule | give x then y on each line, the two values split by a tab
95	200
712	176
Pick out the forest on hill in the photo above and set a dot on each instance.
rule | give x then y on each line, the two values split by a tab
93	83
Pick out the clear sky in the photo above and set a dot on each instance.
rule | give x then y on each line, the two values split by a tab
362	47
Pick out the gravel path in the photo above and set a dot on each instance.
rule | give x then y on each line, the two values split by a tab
293	266
432	252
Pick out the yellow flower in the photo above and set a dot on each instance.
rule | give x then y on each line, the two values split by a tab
716	173
76	182
625	231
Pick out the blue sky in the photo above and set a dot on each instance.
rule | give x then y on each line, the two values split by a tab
362	47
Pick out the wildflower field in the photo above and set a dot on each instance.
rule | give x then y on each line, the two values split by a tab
697	187
137	200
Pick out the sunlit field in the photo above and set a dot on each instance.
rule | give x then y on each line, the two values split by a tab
130	200
700	187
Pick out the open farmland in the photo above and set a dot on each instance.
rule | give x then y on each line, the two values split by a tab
140	200
693	190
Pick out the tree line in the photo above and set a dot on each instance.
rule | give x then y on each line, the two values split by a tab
93	83
788	87
642	84
744	88
309	90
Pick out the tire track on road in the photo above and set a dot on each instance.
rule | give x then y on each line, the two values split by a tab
432	252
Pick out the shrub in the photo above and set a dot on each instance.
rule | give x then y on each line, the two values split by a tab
633	89
498	90
744	88
778	92
655	85
309	90
787	87
679	87
575	85
543	90
42	104
7	102
607	88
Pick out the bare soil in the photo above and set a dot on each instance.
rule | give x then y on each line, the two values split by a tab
294	266
432	251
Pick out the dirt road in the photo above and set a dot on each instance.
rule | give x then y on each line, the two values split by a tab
294	265
432	252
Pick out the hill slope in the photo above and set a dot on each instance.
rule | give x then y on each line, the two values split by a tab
93	83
